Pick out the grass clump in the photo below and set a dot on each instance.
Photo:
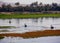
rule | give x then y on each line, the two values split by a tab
7	27
1	37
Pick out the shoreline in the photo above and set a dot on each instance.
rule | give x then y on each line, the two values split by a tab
34	34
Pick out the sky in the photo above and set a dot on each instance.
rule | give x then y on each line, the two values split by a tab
30	1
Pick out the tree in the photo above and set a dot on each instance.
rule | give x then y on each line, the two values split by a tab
34	4
40	4
9	7
54	6
17	3
3	7
41	7
47	7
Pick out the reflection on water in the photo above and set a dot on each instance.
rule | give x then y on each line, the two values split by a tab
32	24
52	39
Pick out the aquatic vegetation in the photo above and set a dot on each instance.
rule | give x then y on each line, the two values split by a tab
7	27
1	37
4	30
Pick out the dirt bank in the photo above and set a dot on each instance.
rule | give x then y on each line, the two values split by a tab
34	34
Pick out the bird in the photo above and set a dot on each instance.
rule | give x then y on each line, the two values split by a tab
52	27
25	25
9	21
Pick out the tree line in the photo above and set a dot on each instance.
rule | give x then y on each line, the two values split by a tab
33	7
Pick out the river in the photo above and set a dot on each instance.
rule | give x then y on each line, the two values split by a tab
32	24
52	39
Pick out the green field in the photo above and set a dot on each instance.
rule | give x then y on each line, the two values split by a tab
9	16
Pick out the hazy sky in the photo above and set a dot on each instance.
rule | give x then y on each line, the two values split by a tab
30	1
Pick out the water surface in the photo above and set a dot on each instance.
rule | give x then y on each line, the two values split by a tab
52	39
32	24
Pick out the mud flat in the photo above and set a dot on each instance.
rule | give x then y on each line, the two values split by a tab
33	34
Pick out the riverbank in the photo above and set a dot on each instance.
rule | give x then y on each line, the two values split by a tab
34	34
16	16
